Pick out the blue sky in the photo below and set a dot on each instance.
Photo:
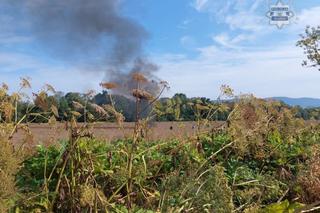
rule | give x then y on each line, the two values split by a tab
198	44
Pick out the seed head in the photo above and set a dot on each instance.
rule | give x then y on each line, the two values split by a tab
50	88
25	83
100	110
142	94
108	85
139	77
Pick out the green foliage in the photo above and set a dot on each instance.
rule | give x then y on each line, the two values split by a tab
181	108
31	176
310	44
207	193
156	166
165	175
260	157
169	176
283	207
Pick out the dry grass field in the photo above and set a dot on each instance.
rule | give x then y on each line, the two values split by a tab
48	134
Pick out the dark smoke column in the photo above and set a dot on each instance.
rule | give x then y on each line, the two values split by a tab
83	31
89	33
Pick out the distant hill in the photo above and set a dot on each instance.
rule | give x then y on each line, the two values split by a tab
303	102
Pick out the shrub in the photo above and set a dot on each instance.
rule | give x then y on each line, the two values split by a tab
9	165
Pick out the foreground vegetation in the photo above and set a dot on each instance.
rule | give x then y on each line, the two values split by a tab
263	159
213	173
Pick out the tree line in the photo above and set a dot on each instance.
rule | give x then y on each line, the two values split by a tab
177	108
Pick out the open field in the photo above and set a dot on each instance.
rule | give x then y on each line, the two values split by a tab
46	134
207	110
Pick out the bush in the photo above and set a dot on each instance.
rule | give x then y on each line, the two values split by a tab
9	165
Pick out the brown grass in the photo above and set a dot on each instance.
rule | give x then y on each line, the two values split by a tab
46	134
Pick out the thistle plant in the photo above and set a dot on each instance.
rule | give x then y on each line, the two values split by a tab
12	156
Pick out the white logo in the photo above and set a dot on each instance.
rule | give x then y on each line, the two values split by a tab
280	14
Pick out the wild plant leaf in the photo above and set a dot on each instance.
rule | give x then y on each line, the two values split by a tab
75	113
54	110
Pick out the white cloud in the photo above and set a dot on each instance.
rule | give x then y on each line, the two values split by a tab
247	25
63	78
184	24
265	72
200	4
225	40
187	41
247	21
249	15
235	13
243	18
306	17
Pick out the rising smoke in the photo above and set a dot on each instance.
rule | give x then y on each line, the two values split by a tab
87	31
128	83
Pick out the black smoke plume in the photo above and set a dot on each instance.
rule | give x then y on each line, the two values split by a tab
86	32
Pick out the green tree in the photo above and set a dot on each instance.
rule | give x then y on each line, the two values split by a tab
310	42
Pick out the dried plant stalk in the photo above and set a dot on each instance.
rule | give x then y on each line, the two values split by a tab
108	85
139	77
142	94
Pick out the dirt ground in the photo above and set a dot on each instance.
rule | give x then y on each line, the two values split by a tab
46	134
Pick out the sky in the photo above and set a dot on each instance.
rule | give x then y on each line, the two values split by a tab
198	45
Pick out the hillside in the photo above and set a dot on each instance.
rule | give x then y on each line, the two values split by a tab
303	102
